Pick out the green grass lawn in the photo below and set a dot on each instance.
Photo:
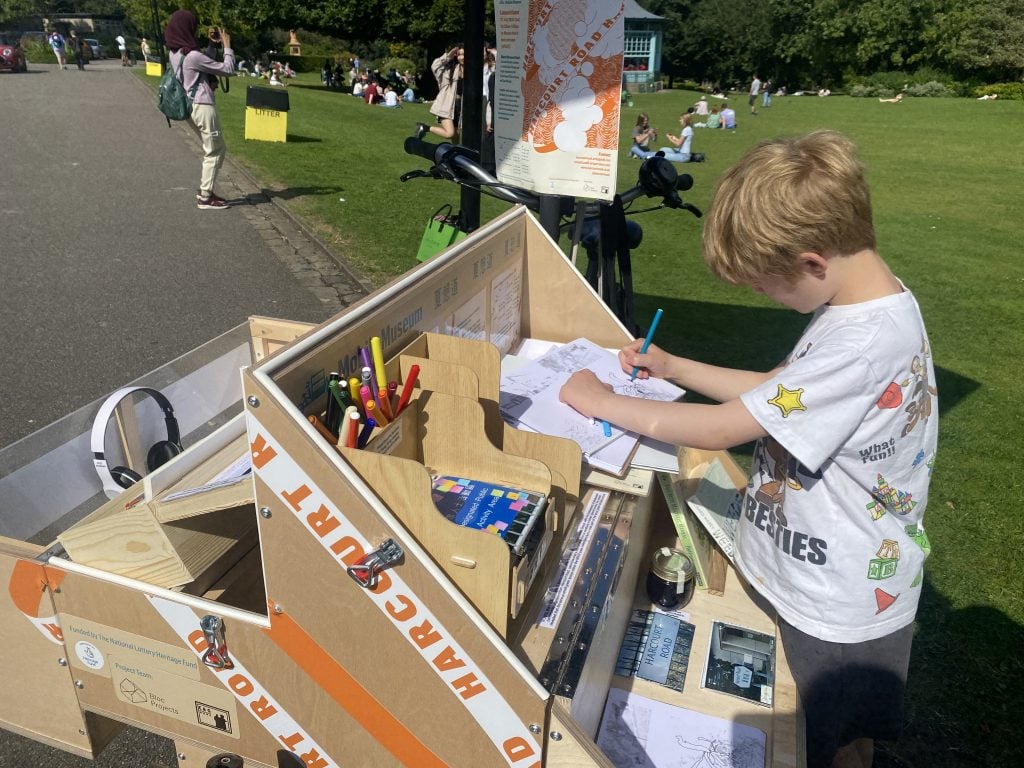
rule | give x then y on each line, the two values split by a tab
946	179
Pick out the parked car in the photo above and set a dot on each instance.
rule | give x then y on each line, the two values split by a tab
12	57
97	49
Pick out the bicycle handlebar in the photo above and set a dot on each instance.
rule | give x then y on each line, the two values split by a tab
461	165
657	176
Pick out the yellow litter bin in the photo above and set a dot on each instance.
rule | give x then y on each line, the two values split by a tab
154	68
266	114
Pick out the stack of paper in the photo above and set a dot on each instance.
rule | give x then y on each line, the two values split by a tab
529	398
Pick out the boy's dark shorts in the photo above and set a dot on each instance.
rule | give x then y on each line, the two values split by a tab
849	691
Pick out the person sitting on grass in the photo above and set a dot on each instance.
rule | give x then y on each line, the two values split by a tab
894	100
390	98
713	120
679	152
643	134
728	117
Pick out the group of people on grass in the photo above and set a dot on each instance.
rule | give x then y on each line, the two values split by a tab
375	91
679	149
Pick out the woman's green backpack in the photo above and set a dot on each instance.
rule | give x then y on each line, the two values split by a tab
171	97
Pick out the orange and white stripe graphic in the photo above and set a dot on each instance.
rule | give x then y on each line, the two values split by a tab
246	688
27	586
408	613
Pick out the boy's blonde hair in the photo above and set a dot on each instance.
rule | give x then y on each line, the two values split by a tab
784	198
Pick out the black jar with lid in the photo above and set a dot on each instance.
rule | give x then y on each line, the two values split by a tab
670	580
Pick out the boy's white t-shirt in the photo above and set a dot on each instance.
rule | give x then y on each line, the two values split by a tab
831	530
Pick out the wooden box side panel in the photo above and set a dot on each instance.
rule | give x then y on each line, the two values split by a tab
39	698
461	292
414	640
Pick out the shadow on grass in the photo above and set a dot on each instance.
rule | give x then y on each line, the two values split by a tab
293	192
754	338
294	139
965	688
320	87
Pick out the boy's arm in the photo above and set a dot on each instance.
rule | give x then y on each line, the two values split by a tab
708	427
715	382
712	381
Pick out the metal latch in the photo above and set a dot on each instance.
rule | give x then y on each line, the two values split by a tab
365	572
216	655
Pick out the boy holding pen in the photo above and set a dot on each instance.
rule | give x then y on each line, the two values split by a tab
831	531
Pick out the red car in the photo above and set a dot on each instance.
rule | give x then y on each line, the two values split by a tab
11	55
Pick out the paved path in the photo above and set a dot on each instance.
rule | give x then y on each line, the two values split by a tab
108	270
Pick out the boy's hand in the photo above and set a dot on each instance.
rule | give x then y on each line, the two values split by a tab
583	391
654	363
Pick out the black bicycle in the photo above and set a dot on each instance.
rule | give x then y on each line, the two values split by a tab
600	227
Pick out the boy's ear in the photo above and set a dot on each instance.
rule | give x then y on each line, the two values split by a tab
814	264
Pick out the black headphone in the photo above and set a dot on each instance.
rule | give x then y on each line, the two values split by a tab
117	478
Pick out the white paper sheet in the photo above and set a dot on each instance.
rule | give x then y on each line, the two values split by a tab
529	394
637	731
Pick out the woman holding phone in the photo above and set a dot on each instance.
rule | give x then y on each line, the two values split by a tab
198	73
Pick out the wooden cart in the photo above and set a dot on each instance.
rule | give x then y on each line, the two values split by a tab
324	607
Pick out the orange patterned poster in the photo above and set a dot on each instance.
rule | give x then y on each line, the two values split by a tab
559	80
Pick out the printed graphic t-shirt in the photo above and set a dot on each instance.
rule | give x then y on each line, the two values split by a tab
831	531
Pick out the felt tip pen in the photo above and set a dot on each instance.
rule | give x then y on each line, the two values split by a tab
339	391
365	395
392	389
353	390
607	428
377	352
370	380
324	431
333	413
372	412
364	436
364	355
410	382
352	429
647	342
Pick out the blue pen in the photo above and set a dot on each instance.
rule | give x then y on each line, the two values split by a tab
607	428
647	342
364	436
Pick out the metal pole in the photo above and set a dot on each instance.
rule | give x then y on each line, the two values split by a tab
472	102
550	214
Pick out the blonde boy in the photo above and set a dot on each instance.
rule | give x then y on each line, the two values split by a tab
831	531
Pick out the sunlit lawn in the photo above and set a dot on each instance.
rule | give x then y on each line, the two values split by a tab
946	177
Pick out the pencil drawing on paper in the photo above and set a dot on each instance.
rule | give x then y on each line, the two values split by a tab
529	394
637	731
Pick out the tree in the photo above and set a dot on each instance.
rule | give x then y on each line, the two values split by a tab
12	10
983	39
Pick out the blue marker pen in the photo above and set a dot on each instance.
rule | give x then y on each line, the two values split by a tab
647	342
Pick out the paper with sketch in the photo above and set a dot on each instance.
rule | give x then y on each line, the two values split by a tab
637	731
529	393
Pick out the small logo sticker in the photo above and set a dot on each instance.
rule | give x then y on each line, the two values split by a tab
89	655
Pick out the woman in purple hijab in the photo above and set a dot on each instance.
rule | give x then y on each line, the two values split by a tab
197	71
